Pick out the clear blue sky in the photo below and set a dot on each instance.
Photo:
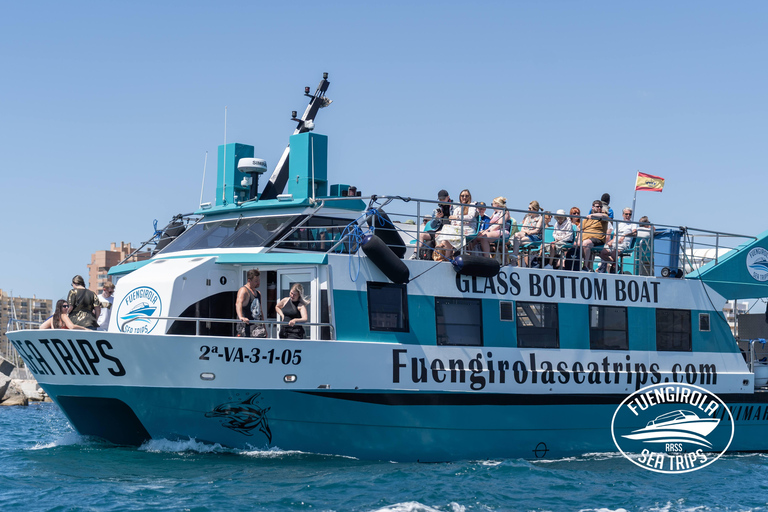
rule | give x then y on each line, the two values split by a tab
107	109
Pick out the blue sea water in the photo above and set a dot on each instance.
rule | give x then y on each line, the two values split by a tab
45	465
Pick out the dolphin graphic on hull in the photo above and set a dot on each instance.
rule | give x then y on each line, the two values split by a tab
243	416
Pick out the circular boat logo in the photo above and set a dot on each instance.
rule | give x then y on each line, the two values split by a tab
672	428
137	309
757	264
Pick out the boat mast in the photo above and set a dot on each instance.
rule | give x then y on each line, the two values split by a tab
279	177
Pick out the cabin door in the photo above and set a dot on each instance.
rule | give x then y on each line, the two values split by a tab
305	277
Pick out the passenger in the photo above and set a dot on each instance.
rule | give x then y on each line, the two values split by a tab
249	307
496	224
84	305
606	200
60	318
463	223
105	300
483	221
293	309
644	256
531	230
547	219
644	229
593	232
439	218
575	214
619	242
563	235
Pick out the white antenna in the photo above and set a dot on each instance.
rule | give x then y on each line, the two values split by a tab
202	187
224	188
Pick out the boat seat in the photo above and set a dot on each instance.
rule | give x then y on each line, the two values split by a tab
532	247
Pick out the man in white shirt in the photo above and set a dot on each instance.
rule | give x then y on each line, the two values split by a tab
106	299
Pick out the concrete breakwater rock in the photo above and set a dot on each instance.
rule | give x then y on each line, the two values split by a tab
18	391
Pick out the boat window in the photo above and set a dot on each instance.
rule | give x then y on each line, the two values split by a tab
673	330
537	325
241	232
387	307
318	234
257	232
608	328
704	322
459	321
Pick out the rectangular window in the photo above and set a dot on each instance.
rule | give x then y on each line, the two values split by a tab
506	311
387	307
459	321
673	330
537	325
608	328
704	322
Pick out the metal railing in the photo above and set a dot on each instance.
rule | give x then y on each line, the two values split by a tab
271	325
667	250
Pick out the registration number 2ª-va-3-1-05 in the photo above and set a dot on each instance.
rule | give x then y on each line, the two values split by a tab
238	355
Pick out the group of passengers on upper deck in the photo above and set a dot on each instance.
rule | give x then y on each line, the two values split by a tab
465	226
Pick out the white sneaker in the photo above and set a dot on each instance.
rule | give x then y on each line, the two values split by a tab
414	255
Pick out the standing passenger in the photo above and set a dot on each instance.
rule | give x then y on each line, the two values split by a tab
248	307
105	300
84	307
293	309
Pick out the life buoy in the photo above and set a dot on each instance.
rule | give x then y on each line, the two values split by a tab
385	259
468	265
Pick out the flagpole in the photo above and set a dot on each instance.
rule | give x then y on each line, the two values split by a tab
634	199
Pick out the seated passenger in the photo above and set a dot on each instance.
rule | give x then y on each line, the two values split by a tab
292	309
562	234
593	232
439	219
606	200
483	221
644	255
497	224
453	235
60	318
531	230
644	229
619	242
575	213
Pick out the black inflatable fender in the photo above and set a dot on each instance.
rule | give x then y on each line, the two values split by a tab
468	265
385	230
385	259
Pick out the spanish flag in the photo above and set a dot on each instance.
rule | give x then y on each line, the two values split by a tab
649	182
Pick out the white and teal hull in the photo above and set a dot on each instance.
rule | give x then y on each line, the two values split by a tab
366	400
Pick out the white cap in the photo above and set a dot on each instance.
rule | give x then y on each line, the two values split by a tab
560	212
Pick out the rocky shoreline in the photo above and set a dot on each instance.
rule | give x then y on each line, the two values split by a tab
18	391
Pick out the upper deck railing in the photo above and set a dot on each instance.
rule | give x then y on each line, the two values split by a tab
657	249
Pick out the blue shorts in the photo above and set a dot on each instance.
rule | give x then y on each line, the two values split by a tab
534	238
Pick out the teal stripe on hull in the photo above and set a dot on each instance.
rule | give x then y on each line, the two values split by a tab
318	422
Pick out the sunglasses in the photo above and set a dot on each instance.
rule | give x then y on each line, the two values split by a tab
66	306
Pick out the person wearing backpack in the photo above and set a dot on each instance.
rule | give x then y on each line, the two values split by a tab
248	307
84	306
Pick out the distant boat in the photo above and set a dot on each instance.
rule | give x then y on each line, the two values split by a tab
676	426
